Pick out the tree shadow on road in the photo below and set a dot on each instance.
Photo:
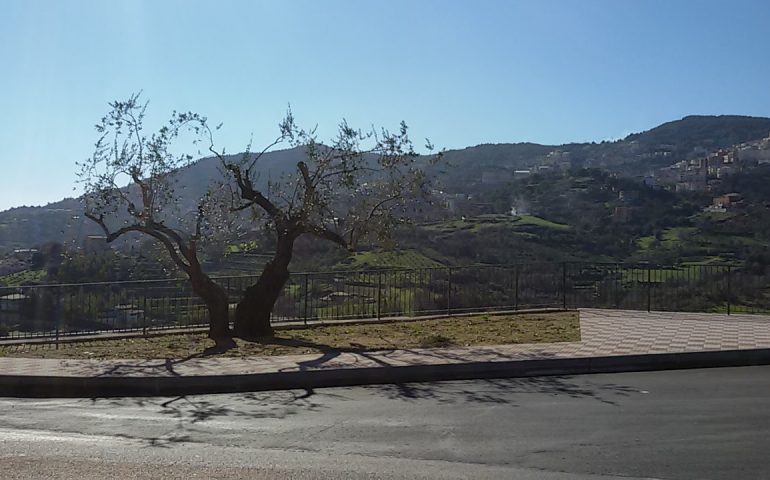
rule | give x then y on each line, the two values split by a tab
252	405
476	391
505	391
165	366
192	412
483	391
328	353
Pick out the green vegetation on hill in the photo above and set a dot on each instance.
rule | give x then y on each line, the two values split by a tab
481	222
574	217
576	213
22	278
539	222
593	215
387	259
241	247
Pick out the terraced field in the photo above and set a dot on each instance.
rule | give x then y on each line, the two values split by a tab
20	278
384	259
477	224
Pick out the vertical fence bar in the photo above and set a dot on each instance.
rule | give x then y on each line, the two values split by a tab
729	289
649	288
227	287
449	291
379	295
144	311
307	294
57	315
564	285
516	288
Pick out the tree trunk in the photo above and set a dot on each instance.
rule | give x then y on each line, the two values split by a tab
217	304
252	316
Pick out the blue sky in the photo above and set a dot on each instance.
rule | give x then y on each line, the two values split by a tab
459	72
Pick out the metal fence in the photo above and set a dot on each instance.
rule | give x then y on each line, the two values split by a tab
58	310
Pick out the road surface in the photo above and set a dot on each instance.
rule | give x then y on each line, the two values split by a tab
695	424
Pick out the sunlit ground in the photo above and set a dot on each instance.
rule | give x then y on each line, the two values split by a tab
445	332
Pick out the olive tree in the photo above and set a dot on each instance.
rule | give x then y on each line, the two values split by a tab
150	204
357	186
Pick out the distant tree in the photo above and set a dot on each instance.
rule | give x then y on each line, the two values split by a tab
105	266
150	204
358	186
48	255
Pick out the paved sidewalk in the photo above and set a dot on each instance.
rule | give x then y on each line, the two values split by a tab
605	333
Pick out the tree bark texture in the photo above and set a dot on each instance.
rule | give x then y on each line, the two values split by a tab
252	316
217	304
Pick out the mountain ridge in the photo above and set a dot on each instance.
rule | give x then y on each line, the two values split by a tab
25	226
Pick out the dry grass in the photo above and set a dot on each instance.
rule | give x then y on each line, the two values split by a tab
444	332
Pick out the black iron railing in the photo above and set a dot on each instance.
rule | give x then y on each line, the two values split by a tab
58	310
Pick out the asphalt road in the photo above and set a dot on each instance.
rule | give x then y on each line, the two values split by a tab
695	424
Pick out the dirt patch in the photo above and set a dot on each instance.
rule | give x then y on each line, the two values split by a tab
443	332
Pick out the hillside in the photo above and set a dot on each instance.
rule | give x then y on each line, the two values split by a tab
634	155
470	170
24	227
700	131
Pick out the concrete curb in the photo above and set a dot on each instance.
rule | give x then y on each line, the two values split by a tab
90	387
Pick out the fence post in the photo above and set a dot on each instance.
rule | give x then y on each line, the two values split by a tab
649	289
144	311
227	295
57	314
516	288
564	285
379	295
449	291
307	293
729	293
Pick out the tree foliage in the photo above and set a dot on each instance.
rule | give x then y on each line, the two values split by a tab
124	153
357	187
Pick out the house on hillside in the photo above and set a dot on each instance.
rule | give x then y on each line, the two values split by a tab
24	254
728	200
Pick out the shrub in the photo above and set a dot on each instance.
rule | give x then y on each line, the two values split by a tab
435	341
